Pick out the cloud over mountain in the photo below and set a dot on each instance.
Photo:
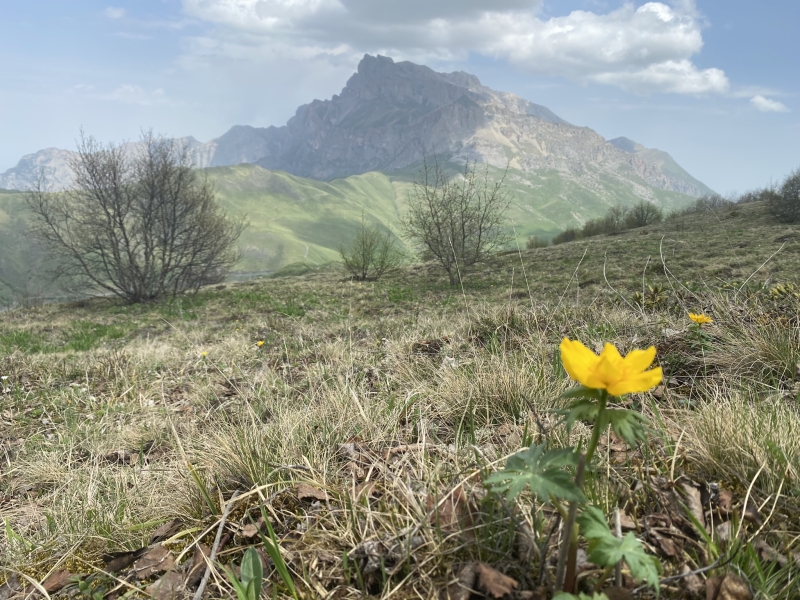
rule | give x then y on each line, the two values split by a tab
643	49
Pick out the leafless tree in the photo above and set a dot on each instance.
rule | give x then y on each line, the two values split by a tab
372	254
139	223
457	221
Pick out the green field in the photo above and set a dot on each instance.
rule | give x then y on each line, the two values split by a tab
296	220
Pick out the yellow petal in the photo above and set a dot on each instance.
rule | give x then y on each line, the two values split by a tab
639	360
608	368
578	360
611	354
641	382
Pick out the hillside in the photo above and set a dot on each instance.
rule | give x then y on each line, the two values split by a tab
298	220
364	419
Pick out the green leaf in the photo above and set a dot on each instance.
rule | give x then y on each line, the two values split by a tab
580	409
543	472
241	590
274	550
606	550
252	573
582	392
627	424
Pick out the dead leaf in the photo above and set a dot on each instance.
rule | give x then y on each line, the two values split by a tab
309	492
462	587
157	560
492	582
454	511
57	580
691	583
170	586
734	588
195	574
525	543
712	587
122	457
166	531
768	553
724	531
618	593
725	502
10	587
694	502
117	561
251	530
665	545
626	522
658	393
751	513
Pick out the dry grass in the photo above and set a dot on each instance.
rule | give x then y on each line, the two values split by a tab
395	399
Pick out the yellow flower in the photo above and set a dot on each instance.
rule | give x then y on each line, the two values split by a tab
610	371
204	353
701	318
260	343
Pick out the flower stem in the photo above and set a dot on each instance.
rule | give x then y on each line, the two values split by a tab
595	439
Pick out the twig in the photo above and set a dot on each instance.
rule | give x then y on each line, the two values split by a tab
618	531
757	270
569	524
574	275
543	552
613	289
202	587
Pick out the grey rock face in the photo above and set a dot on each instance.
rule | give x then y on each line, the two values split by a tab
389	115
52	163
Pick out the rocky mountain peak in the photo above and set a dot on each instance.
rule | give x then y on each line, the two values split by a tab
389	114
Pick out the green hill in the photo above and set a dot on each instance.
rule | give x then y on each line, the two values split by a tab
298	220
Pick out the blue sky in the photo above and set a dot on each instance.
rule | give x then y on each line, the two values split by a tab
714	83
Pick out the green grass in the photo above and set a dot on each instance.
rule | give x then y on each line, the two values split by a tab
390	396
300	223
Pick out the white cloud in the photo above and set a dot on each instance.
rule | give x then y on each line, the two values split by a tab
646	49
766	105
127	35
114	12
134	94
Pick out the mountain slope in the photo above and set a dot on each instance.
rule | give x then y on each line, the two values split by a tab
664	161
389	115
294	219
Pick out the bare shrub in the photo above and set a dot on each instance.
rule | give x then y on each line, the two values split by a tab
456	221
372	254
141	226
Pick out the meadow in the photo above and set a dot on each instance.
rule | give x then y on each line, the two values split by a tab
360	420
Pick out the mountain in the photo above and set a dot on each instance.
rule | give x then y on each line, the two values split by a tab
663	161
390	114
304	186
53	163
